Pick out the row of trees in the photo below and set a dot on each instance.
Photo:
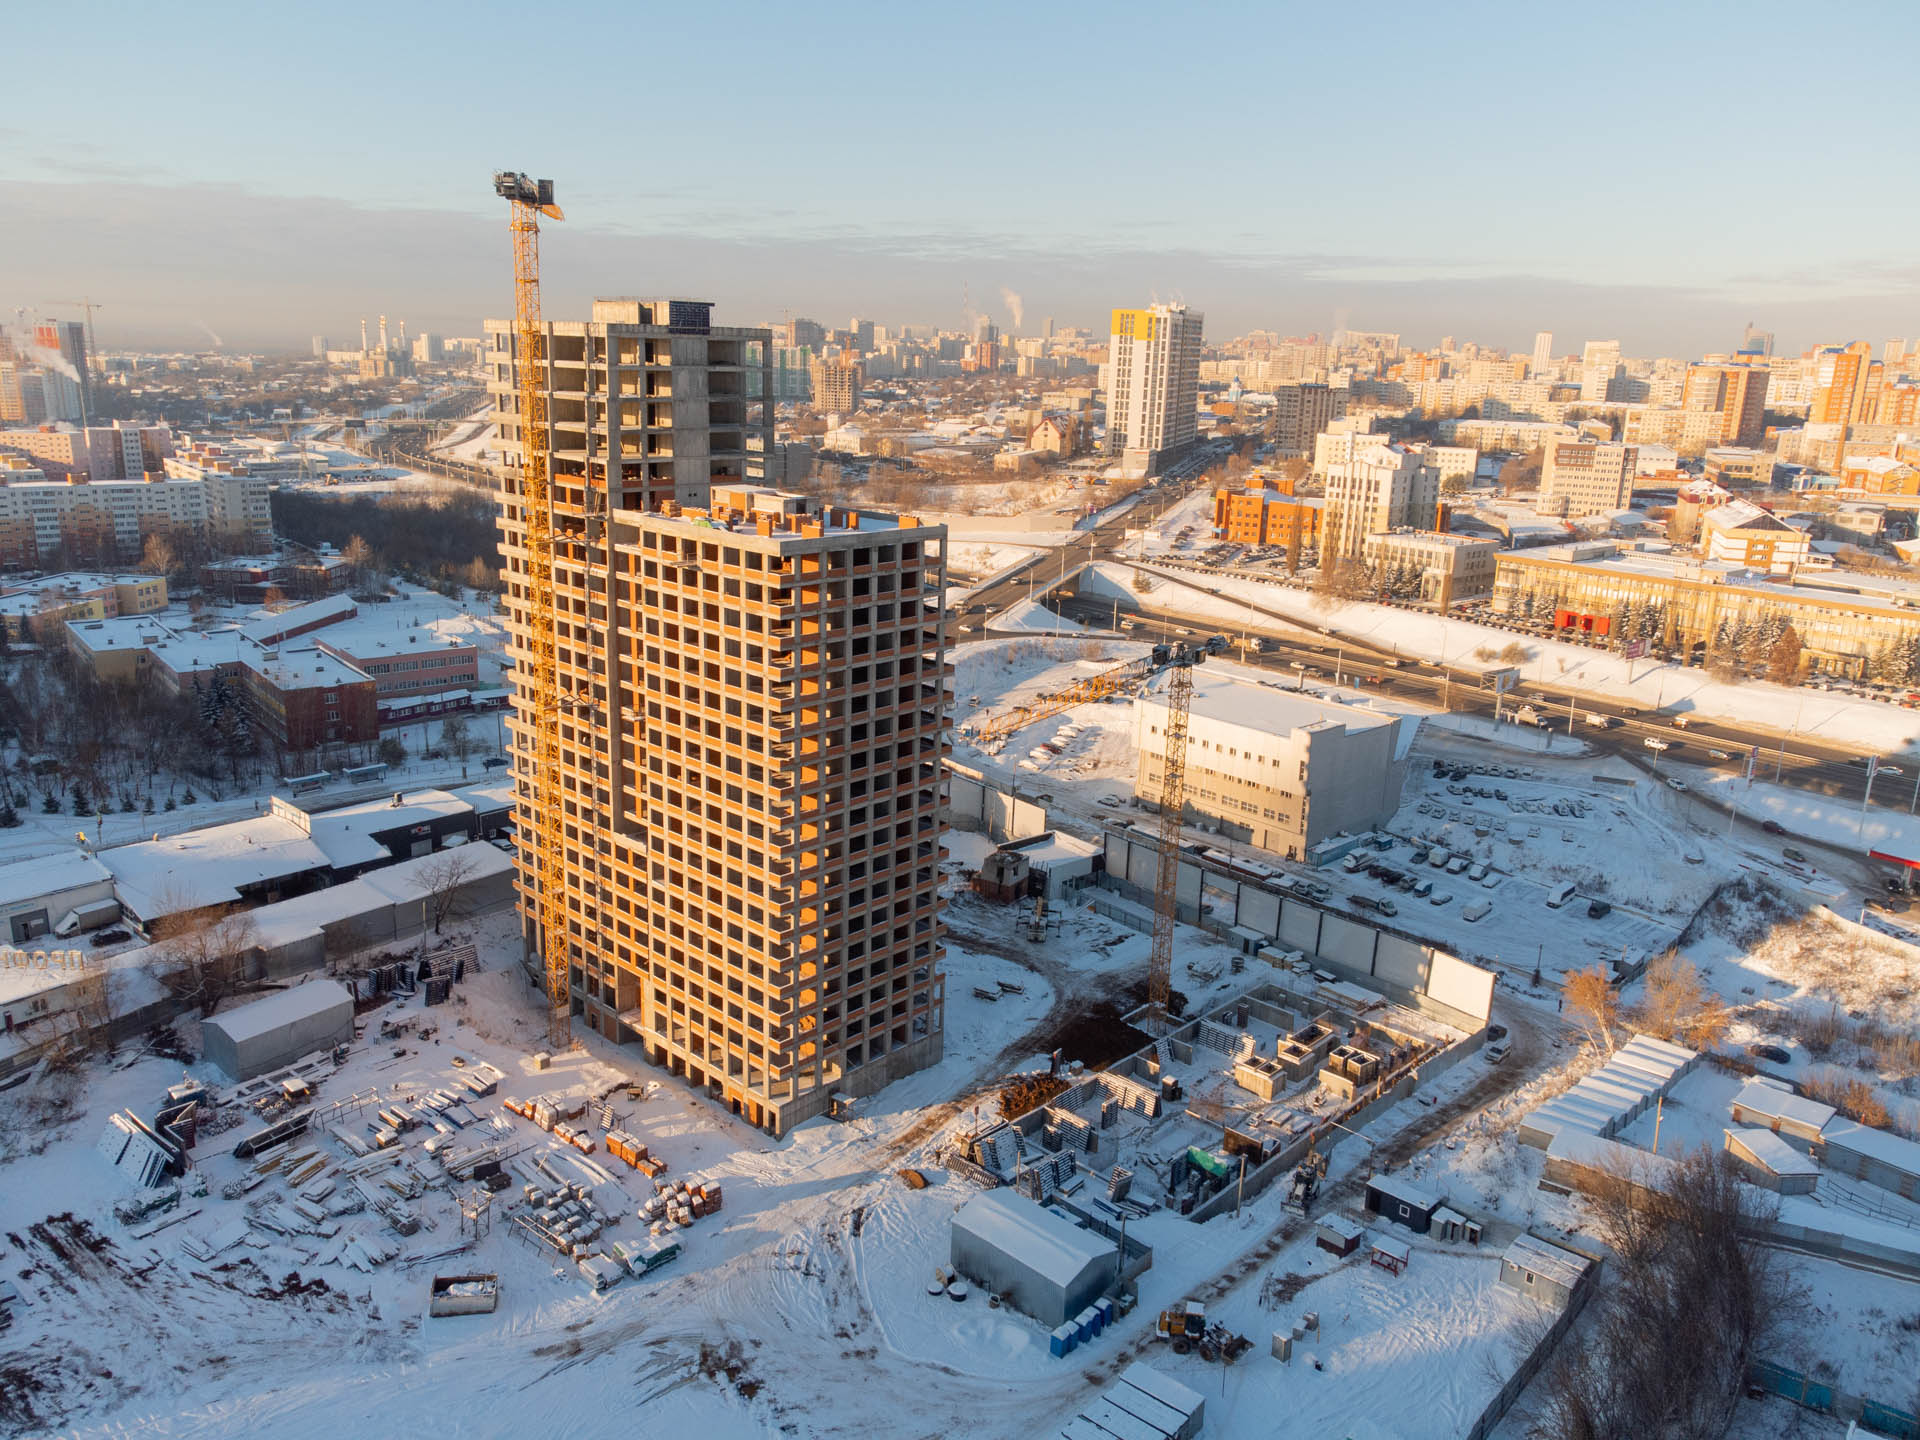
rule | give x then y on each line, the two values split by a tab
447	539
70	740
1896	663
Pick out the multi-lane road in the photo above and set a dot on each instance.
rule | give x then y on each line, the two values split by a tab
1295	649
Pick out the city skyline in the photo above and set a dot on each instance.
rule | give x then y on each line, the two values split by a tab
373	196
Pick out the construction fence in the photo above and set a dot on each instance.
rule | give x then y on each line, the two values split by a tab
1536	1358
1816	1394
976	803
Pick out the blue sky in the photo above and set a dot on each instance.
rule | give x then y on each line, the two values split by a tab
1658	172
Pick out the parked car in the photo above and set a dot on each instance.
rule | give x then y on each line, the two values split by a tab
1799	857
1673	784
1762	1051
1773	827
1598	908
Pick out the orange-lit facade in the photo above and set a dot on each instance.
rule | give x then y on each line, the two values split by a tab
1736	394
753	772
1849	380
1265	517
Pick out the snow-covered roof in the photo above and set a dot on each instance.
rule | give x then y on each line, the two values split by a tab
274	625
1762	1099
1882	1145
1050	1247
1056	849
208	867
346	834
497	796
1407	1191
291	920
1563	1267
1771	1151
1344	1226
316	997
1271	710
22	880
304	668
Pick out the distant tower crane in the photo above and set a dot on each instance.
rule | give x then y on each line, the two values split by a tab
88	307
1173	801
529	200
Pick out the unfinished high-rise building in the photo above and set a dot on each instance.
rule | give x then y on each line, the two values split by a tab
752	731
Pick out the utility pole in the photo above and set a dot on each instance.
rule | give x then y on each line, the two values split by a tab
1866	799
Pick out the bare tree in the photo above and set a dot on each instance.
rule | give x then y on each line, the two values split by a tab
1690	1300
443	879
1593	1005
158	556
206	952
1677	1006
454	738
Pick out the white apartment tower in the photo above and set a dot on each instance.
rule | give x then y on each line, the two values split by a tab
1542	351
1153	386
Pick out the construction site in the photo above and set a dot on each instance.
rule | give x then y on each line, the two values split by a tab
746	1103
1252	1093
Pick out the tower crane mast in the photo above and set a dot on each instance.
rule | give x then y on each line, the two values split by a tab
528	201
1173	801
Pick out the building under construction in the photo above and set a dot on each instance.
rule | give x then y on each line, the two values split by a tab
750	692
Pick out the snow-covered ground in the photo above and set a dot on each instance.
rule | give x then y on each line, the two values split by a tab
981	558
801	1308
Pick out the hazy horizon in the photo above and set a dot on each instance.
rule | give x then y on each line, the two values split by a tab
1484	178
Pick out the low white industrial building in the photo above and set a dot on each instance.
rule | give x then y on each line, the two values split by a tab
266	1034
1277	768
54	895
1039	1263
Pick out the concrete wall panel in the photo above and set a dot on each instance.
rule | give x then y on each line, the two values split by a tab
1299	927
1347	943
1259	910
1401	961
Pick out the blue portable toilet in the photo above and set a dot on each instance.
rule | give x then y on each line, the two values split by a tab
1065	1337
1106	1308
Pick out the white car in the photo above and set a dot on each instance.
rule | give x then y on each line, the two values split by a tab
1673	784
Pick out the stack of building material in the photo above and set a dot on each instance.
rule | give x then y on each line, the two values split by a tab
625	1146
222	1239
1142	1404
1635	1079
681	1203
1129	1094
138	1152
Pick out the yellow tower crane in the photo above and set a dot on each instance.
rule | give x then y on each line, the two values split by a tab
1173	801
528	201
